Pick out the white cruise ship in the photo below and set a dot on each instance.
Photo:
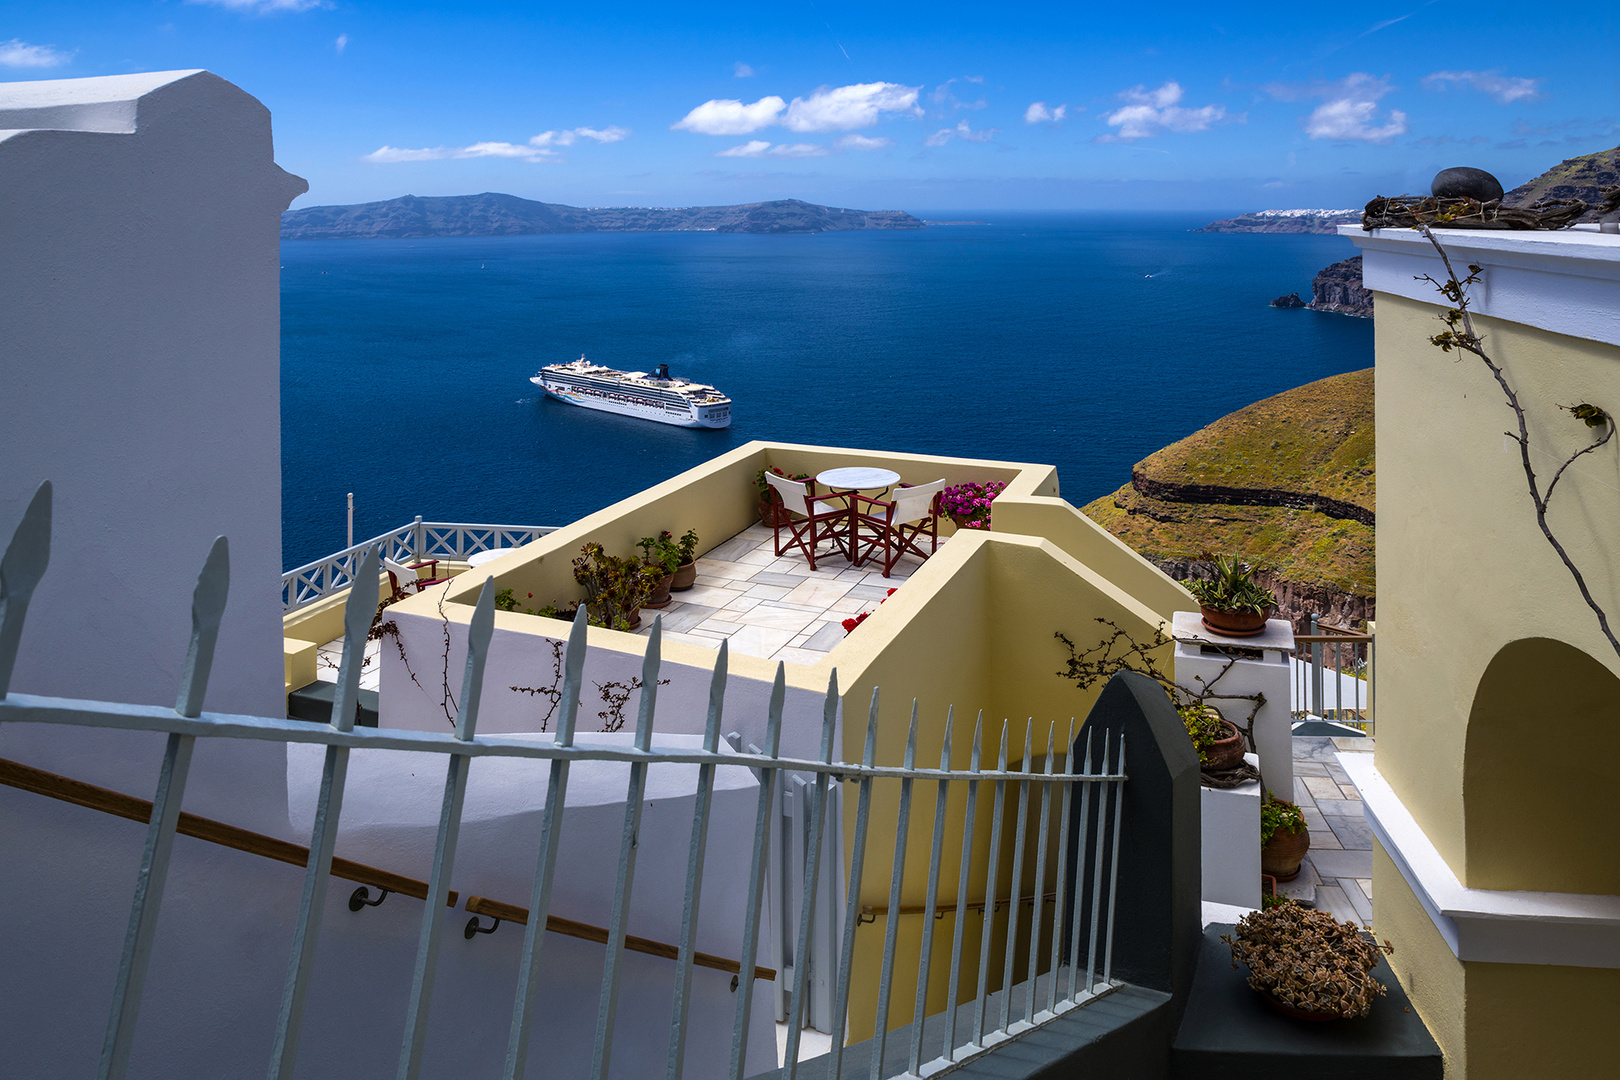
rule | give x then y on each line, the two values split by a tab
654	396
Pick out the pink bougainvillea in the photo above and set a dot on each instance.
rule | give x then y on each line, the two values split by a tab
969	504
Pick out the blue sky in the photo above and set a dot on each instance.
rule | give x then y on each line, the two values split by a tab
922	108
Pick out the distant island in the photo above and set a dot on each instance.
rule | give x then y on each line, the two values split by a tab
1285	221
493	214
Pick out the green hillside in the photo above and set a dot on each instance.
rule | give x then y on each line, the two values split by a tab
1287	482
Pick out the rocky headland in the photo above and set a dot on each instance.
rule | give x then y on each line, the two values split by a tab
1285	221
1572	178
494	214
1338	288
1286	483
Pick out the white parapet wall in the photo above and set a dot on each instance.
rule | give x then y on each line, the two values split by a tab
1230	819
142	324
1244	667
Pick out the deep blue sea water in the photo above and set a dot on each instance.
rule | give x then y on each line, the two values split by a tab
1084	340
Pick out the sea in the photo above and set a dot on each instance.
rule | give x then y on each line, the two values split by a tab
1084	340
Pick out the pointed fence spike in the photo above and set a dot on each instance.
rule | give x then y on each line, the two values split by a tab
573	676
650	663
358	613
479	631
773	717
207	607
26	558
911	736
869	755
717	699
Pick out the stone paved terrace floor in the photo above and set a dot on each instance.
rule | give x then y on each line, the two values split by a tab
776	608
1337	872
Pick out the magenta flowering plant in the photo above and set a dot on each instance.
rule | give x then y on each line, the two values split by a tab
969	504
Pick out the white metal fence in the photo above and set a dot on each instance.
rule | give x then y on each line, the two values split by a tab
1069	927
1332	674
409	543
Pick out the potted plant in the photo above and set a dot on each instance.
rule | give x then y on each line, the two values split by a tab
1284	839
968	505
768	499
662	553
615	588
685	561
1218	741
1233	603
1306	963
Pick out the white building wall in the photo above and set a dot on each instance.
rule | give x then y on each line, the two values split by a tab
141	365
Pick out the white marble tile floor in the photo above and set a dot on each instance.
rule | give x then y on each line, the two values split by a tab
774	607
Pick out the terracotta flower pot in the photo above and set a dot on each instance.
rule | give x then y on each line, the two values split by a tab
766	509
1226	752
685	577
1282	854
1235	623
660	595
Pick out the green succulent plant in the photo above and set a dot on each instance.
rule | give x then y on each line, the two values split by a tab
1233	587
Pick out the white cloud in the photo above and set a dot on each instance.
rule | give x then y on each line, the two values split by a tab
503	150
742	70
538	148
863	142
727	116
1038	113
19	54
960	131
751	148
265	7
605	135
390	155
845	108
1347	120
1351	112
341	43
755	148
1152	112
1504	88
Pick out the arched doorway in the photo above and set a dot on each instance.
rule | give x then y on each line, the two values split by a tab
1539	772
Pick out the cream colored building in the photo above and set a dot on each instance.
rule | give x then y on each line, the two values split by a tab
1497	870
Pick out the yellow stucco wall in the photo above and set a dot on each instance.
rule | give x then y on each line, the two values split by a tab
1497	1021
980	638
1498	714
1464	569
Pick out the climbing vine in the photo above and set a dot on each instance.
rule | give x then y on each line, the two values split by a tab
1460	334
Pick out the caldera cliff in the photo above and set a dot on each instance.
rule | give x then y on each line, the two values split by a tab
1286	483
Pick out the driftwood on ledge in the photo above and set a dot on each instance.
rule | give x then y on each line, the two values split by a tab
1405	211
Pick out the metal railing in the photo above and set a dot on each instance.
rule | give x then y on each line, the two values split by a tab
1333	679
1073	948
409	543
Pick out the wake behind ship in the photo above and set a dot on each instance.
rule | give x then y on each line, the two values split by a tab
656	396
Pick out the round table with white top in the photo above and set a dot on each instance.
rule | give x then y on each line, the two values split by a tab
847	481
479	558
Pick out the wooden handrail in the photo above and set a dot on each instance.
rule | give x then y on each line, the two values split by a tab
27	778
494	909
54	786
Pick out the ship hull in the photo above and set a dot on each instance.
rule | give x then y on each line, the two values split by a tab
699	416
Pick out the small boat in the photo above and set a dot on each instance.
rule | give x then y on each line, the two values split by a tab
654	395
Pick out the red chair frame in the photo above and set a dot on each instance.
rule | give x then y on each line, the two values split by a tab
878	530
815	527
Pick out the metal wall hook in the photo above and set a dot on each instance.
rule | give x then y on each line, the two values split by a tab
361	898
474	928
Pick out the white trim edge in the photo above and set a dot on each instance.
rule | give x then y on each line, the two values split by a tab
1565	282
1486	925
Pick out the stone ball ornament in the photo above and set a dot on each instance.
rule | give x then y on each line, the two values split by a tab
1464	182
